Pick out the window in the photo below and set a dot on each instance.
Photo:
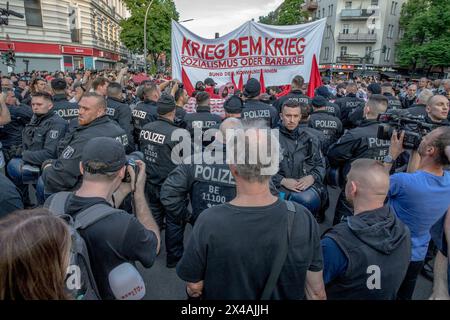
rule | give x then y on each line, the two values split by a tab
318	14
323	12
33	13
395	8
332	9
387	55
348	4
374	3
346	29
327	53
343	51
392	7
368	51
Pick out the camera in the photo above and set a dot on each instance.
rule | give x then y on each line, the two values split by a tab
131	162
401	120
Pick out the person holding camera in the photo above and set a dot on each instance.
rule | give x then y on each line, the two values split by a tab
120	237
420	198
361	142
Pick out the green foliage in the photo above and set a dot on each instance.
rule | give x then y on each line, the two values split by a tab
288	13
159	20
426	39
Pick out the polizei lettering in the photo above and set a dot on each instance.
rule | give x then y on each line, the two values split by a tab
214	174
67	113
203	124
152	136
253	114
375	142
330	124
139	114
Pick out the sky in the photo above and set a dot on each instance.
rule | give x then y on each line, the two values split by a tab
222	16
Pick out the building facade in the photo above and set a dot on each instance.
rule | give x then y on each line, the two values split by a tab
359	33
59	35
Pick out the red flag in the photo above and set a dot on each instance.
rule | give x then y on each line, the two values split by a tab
249	76
284	91
315	80
261	81
186	82
232	80
241	83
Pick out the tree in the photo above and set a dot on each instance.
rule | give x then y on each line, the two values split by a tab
288	13
158	27
426	36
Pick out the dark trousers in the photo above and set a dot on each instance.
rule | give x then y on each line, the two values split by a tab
174	238
152	191
409	283
343	208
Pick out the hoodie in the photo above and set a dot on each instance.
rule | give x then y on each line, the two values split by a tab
370	241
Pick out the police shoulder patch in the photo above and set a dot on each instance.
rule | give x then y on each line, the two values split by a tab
54	134
68	152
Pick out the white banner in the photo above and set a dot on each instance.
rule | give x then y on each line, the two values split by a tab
280	52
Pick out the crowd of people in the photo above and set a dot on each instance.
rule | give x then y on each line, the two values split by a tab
94	153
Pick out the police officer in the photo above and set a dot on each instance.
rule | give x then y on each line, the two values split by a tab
208	183
255	109
63	174
119	111
348	104
394	103
181	99
40	139
61	106
331	107
233	107
437	111
11	133
321	120
361	142
419	109
302	166
156	144
202	119
145	111
296	94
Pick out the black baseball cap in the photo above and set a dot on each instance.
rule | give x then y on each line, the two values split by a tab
374	88
165	104
319	101
210	82
109	153
233	105
252	88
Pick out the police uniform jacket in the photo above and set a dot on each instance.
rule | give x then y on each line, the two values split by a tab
329	125
144	112
254	110
347	105
294	95
63	108
64	173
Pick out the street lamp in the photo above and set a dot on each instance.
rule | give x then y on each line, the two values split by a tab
145	36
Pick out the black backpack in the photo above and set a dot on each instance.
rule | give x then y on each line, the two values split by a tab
81	283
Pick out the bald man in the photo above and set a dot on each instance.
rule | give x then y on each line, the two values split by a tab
367	255
437	111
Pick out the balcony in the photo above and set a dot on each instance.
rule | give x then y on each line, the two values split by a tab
310	5
356	14
357	38
354	59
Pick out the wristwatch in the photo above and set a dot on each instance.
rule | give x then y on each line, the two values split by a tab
388	159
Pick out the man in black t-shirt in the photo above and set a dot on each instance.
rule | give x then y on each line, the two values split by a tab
120	237
9	197
233	246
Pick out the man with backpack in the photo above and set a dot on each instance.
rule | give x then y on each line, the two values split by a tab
256	246
114	238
